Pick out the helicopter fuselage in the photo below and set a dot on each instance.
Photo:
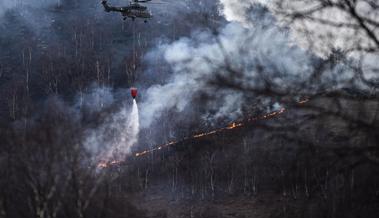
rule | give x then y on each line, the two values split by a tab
136	13
134	10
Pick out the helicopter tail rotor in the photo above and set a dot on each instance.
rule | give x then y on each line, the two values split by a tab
107	8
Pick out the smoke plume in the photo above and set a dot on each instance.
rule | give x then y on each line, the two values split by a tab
256	54
249	52
113	139
239	11
323	30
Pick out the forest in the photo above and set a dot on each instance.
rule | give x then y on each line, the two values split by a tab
246	109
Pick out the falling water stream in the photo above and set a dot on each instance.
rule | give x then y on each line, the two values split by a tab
127	137
133	125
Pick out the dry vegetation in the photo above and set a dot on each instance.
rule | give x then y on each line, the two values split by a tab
319	159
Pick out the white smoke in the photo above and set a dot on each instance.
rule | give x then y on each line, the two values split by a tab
23	4
114	138
95	99
256	48
265	51
310	33
239	11
8	4
325	30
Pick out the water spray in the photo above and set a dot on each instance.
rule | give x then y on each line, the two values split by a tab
127	137
133	127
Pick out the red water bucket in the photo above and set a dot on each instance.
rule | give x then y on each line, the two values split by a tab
133	92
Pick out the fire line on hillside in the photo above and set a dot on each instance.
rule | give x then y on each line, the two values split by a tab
231	126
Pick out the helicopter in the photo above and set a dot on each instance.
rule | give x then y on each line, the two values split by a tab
133	10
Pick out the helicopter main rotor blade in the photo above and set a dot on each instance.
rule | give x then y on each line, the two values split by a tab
151	1
157	3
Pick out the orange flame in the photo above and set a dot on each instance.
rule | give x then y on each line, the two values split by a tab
231	126
200	135
106	164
